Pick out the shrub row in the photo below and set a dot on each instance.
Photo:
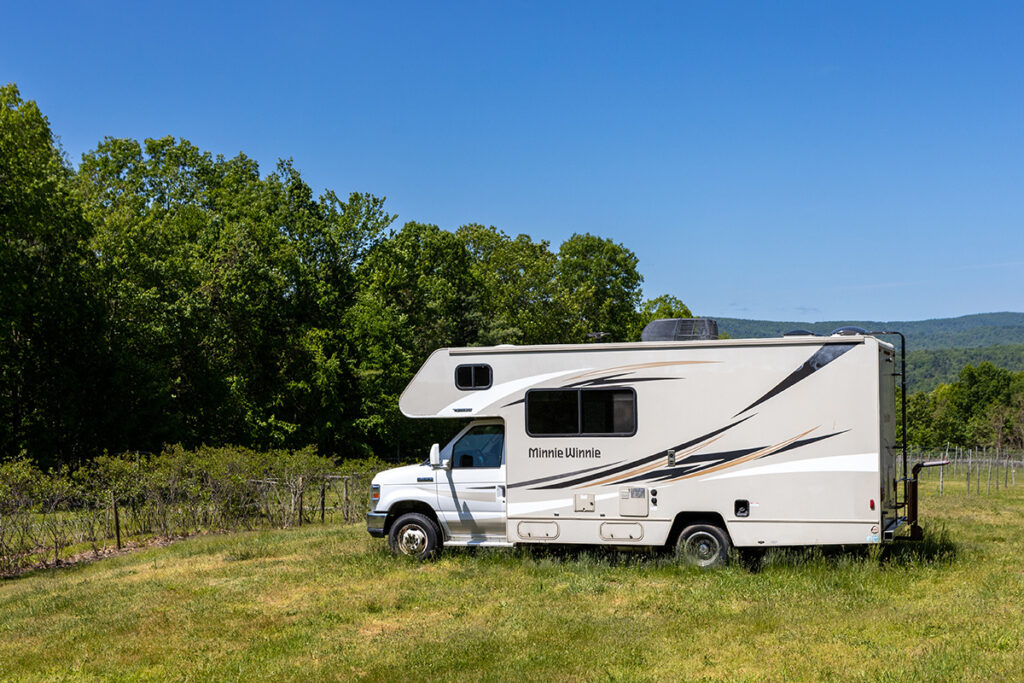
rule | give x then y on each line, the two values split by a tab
46	515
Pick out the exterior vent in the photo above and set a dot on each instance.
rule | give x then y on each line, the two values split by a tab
680	329
848	331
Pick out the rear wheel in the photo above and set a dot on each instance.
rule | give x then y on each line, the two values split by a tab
703	545
415	535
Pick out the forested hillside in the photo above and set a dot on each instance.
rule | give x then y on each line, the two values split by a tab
969	331
937	349
927	369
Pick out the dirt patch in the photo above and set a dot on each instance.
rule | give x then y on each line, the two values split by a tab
99	554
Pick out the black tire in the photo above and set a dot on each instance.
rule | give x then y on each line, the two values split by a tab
415	535
703	545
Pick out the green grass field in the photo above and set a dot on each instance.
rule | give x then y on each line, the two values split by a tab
329	602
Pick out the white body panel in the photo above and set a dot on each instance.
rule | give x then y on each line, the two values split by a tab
798	431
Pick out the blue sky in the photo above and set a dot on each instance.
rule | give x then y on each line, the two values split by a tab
797	161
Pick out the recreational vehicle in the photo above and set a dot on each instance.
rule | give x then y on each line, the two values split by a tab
701	444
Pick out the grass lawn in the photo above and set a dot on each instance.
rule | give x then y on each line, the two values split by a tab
329	602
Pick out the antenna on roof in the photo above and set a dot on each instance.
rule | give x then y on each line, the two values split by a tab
597	336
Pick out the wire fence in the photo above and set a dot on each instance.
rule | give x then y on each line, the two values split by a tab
982	470
117	501
54	517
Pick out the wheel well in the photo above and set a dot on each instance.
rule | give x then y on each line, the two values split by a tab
685	519
403	506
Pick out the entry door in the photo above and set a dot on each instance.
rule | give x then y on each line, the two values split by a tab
471	495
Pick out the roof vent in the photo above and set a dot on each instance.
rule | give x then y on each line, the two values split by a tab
848	331
680	329
799	333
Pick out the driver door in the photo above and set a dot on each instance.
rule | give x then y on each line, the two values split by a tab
471	494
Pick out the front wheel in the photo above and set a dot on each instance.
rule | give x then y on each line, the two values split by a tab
415	535
703	545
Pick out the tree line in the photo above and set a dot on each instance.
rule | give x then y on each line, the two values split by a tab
158	294
983	407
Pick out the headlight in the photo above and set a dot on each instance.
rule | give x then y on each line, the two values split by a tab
374	495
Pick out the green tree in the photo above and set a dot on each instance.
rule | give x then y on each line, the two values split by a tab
598	287
52	376
664	306
229	294
417	294
515	279
983	407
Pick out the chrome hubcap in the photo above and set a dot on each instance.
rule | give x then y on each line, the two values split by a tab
412	540
701	548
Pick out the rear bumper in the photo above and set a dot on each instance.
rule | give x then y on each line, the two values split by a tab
375	523
892	527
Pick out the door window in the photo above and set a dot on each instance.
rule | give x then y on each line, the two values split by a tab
481	446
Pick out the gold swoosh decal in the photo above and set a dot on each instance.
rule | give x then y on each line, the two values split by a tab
747	458
658	463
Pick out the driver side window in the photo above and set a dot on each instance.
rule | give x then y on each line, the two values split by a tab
481	446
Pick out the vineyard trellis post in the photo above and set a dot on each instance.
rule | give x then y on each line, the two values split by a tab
988	487
323	498
117	520
347	506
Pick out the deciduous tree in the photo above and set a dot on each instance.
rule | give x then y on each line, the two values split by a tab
52	375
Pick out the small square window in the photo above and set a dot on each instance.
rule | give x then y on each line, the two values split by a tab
473	377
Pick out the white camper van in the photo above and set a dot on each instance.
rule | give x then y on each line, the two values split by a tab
705	444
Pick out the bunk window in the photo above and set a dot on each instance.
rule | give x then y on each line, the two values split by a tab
473	377
581	412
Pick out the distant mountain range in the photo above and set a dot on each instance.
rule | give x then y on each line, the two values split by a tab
965	332
936	349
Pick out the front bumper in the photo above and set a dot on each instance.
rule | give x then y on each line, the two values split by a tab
375	523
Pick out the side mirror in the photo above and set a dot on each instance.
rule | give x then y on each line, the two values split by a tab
435	457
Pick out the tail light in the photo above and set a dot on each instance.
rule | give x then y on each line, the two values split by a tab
872	503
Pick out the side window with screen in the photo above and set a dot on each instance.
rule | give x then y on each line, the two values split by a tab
608	411
581	412
470	377
481	446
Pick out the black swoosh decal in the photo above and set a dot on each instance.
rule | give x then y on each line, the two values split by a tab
560	476
617	379
705	460
642	461
804	442
694	462
611	382
825	355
